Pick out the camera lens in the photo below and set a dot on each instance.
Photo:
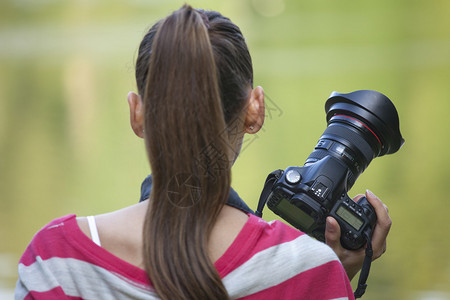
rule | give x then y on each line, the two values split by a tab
362	125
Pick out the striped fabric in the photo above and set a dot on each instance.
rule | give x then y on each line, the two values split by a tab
266	261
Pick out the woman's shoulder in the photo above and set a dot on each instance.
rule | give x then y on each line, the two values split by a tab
262	244
59	259
279	235
53	229
69	235
120	232
49	242
54	225
284	262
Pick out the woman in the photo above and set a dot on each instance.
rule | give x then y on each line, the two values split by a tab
195	103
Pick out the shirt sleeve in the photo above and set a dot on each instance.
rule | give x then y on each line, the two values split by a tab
36	280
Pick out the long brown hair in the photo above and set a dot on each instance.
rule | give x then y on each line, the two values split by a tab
193	72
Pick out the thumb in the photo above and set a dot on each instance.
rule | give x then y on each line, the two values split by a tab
332	233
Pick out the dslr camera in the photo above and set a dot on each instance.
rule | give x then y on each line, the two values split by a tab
362	125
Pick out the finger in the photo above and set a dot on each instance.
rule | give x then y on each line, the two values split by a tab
357	197
333	235
381	210
383	224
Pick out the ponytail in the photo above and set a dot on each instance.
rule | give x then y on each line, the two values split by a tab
184	126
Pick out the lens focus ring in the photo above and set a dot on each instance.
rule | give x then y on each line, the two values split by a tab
340	131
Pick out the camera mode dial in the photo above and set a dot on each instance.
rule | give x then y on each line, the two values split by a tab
293	176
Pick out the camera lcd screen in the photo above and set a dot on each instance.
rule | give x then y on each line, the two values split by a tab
349	217
295	214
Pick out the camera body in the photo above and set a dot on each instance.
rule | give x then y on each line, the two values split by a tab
305	196
362	125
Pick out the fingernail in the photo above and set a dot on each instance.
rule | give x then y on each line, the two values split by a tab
369	193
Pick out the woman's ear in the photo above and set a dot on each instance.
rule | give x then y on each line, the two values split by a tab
136	113
254	119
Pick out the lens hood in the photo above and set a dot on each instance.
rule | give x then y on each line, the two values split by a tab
374	110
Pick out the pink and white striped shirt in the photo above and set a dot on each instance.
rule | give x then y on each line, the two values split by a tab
267	260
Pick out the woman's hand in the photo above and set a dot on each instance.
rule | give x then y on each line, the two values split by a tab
352	260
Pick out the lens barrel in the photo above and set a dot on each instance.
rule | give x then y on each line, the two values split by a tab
362	125
374	111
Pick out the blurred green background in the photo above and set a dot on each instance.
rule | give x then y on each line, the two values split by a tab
66	145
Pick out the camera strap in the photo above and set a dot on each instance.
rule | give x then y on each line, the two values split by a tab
362	285
270	180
